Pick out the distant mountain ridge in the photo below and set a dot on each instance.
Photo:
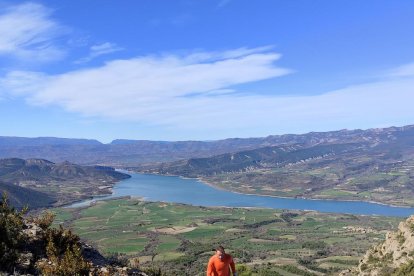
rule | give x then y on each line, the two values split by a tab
250	160
132	152
373	165
42	141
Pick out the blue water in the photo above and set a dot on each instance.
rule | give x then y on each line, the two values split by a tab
192	191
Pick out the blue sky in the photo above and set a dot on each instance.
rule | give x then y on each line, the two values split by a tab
203	69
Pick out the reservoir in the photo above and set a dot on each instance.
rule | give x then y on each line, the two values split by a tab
191	191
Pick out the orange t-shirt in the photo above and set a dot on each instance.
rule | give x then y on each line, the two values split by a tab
220	267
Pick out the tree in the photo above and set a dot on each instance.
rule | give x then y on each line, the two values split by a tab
11	234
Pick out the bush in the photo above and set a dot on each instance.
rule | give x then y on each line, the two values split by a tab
400	238
405	270
60	246
63	254
44	220
154	271
11	234
243	270
316	245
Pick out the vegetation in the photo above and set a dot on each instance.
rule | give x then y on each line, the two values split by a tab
52	251
179	238
12	237
405	270
39	183
400	238
19	197
63	254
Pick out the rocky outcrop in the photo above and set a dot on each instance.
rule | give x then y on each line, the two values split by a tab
388	258
33	260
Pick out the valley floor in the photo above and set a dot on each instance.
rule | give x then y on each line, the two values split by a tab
177	237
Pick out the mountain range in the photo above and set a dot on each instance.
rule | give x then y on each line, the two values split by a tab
133	152
370	165
373	165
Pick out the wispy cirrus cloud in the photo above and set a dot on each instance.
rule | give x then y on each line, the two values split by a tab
99	50
142	88
406	70
27	33
196	92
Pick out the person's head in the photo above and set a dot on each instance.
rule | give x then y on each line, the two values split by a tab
220	251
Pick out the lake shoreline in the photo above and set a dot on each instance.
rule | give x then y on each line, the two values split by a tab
307	198
215	186
199	192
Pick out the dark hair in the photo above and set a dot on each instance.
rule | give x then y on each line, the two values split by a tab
220	248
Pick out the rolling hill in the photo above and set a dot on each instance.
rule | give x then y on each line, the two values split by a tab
62	182
20	197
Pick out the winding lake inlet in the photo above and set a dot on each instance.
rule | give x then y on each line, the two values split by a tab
192	191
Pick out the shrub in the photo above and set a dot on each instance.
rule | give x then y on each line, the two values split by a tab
400	238
243	270
44	220
63	254
60	246
405	270
153	271
11	234
314	245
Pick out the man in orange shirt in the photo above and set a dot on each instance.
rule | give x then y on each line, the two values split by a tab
220	264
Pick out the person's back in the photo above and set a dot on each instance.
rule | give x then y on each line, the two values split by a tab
220	264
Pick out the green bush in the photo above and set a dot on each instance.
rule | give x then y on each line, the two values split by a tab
400	238
315	245
243	270
60	246
11	234
63	254
405	270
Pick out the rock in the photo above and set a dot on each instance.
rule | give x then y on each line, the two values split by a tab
33	231
396	250
92	255
25	261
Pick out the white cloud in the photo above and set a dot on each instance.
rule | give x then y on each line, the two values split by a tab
99	50
133	89
406	70
198	94
27	32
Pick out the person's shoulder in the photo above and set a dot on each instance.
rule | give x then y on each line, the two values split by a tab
229	257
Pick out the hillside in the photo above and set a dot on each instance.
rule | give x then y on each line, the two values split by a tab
134	152
392	257
20	197
372	165
62	182
32	246
250	160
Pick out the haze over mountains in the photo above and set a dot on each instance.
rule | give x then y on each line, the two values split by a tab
373	164
133	152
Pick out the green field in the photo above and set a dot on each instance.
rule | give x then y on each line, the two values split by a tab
179	238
